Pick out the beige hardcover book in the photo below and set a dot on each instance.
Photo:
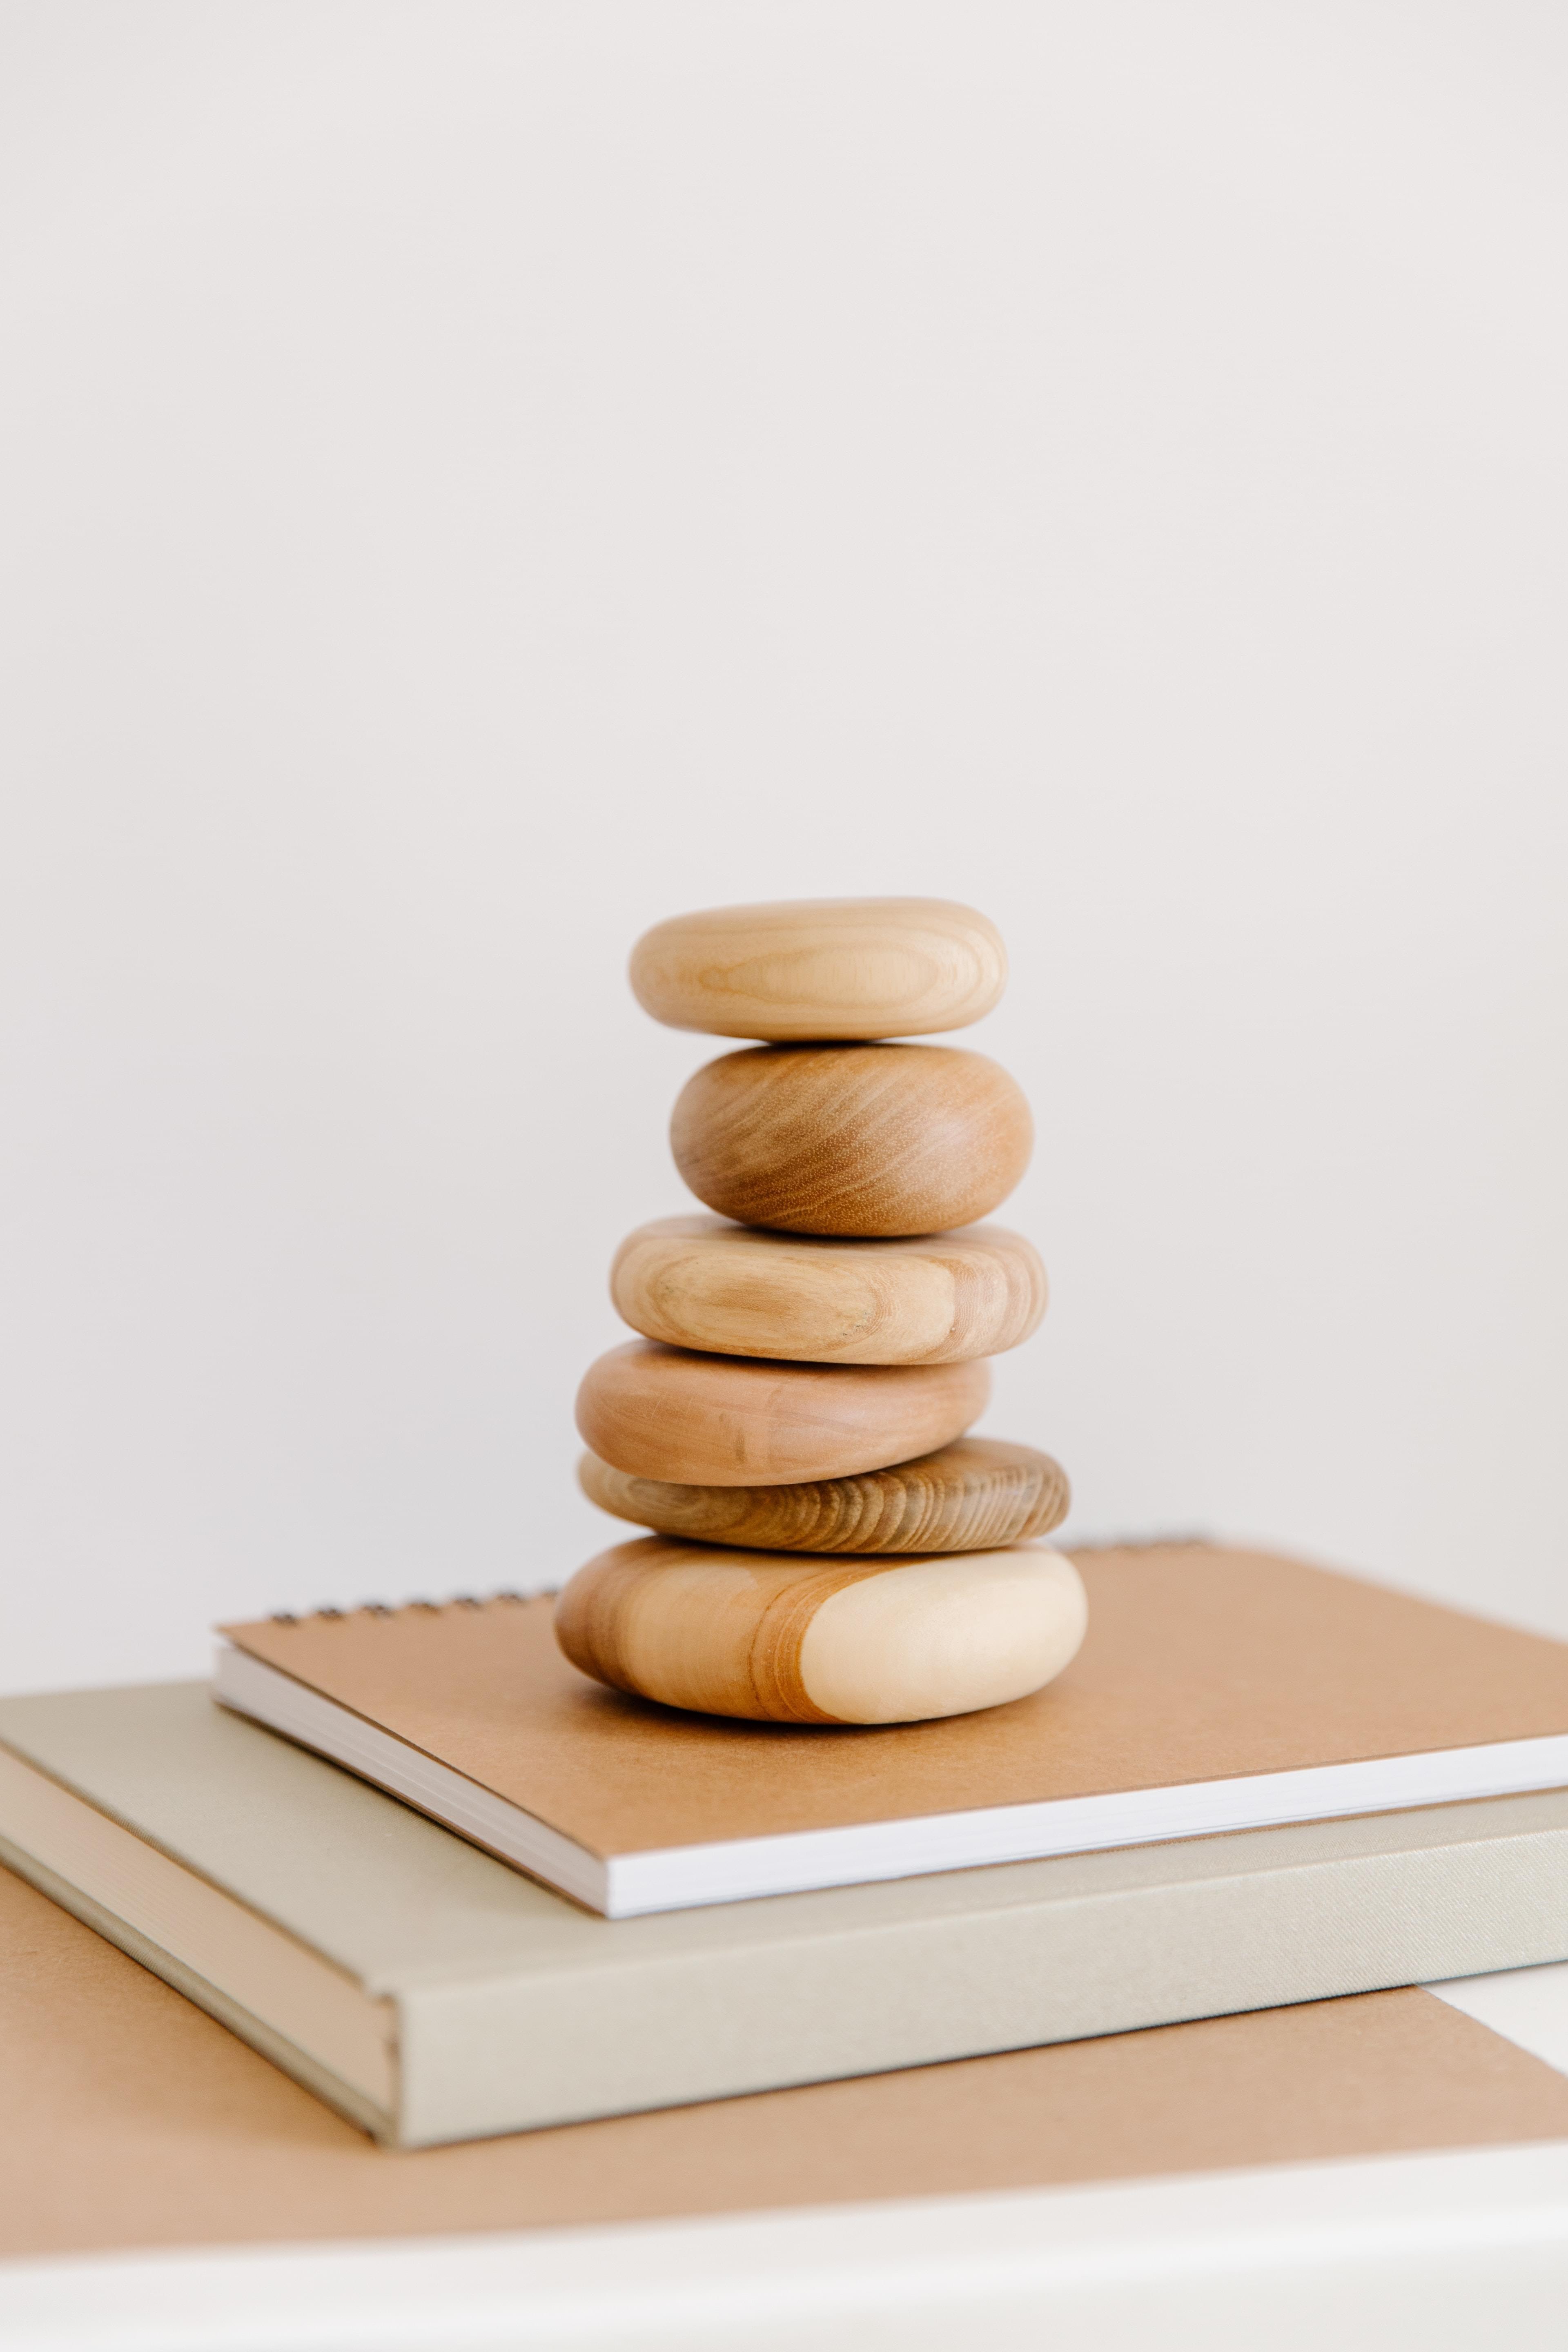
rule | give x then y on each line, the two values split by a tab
433	1993
132	2122
1216	1690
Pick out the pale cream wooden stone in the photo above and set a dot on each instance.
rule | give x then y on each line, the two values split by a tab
979	1494
734	1290
807	969
860	1140
733	1421
796	1640
943	1637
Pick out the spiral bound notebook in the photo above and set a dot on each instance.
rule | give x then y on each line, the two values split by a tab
1218	1690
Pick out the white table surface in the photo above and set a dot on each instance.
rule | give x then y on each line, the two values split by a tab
1465	2249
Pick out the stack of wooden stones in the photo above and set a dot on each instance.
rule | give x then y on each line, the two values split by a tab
831	1547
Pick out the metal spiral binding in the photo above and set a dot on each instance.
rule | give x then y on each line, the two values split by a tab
391	1608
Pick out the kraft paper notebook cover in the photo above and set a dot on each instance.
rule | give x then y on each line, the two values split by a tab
133	2121
1216	1690
432	1993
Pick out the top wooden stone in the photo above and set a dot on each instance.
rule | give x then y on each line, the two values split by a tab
821	971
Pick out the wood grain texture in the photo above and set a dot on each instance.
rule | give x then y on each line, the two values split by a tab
790	1639
821	968
734	1290
977	1495
860	1140
729	1421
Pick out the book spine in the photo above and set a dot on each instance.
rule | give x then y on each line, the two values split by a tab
504	2056
284	2052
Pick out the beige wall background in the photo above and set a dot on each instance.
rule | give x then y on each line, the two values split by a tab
480	478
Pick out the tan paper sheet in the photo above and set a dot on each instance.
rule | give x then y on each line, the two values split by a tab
130	2118
1200	1663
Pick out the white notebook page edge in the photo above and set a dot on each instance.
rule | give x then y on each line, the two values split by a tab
276	1700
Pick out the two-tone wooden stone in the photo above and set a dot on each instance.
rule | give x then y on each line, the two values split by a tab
734	1290
733	1421
852	1140
821	968
979	1494
793	1640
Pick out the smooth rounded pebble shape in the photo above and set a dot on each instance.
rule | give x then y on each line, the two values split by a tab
975	1495
729	1421
795	1640
862	1140
730	1290
831	969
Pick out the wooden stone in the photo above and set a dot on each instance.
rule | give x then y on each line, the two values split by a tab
852	1140
731	1290
791	1640
821	968
731	1420
975	1495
